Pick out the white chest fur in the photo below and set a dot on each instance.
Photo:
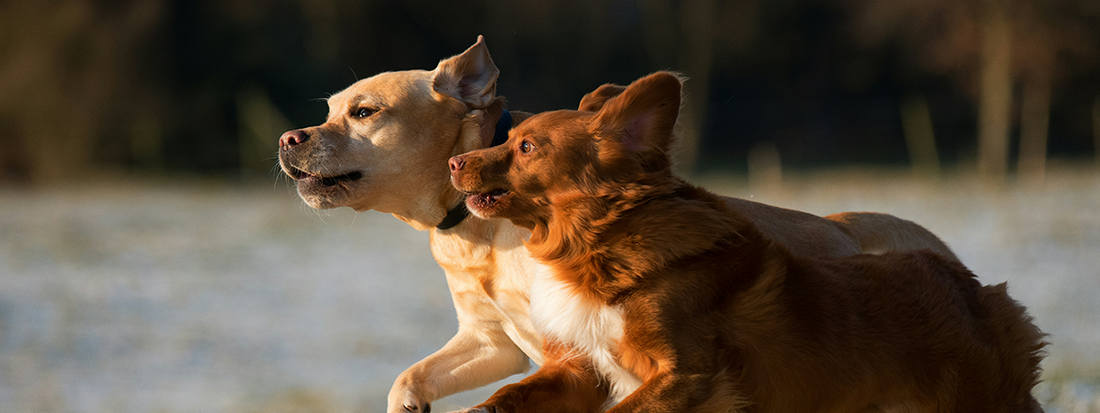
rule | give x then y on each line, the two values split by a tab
594	330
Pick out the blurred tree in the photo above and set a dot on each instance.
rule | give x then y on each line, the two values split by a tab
1055	42
1096	130
998	42
995	92
65	69
916	123
207	85
258	121
686	35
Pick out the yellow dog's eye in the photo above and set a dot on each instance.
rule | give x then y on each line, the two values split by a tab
526	147
363	112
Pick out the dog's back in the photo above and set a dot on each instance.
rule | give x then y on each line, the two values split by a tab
902	331
907	330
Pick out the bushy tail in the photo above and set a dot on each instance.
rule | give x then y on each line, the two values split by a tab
878	233
1020	343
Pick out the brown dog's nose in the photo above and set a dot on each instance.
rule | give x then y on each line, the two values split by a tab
292	138
456	163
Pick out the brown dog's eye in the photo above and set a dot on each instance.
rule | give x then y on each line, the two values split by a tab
363	112
526	147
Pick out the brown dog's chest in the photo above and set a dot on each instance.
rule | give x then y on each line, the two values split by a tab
593	329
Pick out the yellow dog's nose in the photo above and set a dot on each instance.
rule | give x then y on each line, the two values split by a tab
292	138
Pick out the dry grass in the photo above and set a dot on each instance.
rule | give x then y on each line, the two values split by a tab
186	297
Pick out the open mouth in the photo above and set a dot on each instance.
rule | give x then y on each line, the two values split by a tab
486	200
326	181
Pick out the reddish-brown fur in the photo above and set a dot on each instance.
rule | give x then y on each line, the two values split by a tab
717	317
567	376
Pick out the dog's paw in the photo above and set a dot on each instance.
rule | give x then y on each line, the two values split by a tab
479	409
413	408
404	401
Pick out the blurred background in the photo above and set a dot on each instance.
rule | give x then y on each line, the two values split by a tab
152	258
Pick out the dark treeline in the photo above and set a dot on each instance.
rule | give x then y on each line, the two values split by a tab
207	86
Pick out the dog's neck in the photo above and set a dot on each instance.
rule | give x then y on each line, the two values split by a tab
493	131
496	124
604	242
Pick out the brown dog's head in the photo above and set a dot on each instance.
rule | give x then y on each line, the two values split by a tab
555	157
386	139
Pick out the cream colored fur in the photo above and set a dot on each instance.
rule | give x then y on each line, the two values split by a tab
594	330
420	120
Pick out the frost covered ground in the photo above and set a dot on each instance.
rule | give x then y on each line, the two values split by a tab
167	296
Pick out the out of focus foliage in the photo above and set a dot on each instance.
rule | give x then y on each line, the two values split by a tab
207	86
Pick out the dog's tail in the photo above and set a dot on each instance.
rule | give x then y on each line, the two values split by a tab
878	233
1004	341
1020	344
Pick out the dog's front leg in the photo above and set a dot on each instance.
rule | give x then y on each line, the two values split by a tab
698	393
476	356
560	386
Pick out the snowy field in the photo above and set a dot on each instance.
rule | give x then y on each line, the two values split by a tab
164	296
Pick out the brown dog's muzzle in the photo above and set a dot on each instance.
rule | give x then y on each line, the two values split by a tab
456	163
464	178
474	173
481	170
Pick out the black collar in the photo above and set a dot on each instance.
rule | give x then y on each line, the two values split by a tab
454	216
503	126
457	214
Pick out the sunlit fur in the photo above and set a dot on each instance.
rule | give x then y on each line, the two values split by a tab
425	117
661	279
592	329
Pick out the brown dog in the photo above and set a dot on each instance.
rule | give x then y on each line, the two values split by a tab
384	147
661	298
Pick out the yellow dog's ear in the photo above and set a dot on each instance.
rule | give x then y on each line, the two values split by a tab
470	77
641	119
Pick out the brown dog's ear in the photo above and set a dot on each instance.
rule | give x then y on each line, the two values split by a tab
643	116
470	77
594	100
